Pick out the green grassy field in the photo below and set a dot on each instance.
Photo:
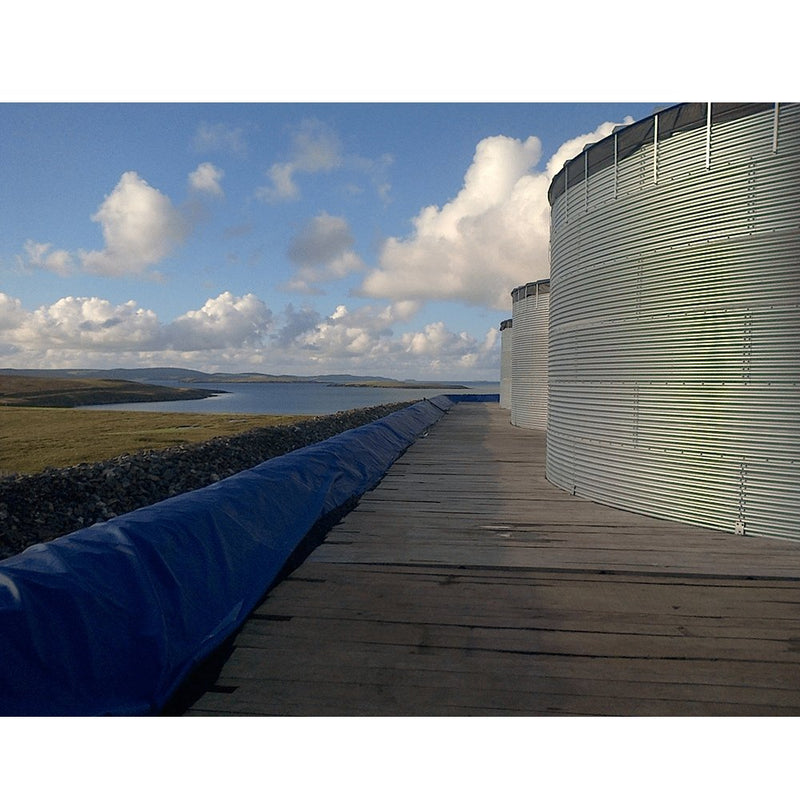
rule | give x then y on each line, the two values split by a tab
32	439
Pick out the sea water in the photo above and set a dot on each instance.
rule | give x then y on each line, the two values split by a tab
289	398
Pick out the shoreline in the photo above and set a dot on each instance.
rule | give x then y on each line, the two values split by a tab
32	392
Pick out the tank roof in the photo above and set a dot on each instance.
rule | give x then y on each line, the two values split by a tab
631	138
532	288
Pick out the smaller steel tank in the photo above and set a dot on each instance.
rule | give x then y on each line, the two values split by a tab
506	335
531	316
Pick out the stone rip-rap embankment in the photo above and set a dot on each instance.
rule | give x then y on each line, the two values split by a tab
40	507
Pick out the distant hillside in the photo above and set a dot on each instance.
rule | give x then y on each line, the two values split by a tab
177	374
57	392
142	375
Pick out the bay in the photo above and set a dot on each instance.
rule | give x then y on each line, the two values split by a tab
289	398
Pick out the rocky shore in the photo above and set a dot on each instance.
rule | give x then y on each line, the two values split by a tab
41	507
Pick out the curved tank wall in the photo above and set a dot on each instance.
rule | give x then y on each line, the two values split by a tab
674	342
506	335
529	355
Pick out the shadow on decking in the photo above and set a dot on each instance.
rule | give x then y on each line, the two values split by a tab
466	584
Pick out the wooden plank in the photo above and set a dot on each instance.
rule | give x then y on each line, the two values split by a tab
397	664
378	687
465	583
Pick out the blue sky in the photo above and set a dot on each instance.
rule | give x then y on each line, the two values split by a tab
313	190
372	238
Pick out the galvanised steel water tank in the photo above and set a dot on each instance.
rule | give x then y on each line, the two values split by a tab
674	354
529	355
506	334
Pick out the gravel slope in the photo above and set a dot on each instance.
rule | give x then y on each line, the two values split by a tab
41	507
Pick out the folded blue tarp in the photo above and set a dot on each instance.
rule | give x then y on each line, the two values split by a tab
112	618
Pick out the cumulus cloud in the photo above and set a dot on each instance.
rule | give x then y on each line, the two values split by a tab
11	312
315	148
321	240
87	323
73	329
140	228
224	321
38	255
446	350
206	179
241	333
363	341
490	238
321	251
296	322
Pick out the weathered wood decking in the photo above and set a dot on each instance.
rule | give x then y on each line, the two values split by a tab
466	584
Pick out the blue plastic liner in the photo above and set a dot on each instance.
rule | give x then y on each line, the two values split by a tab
474	398
112	618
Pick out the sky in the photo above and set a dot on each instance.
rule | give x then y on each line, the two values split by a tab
368	238
317	189
309	188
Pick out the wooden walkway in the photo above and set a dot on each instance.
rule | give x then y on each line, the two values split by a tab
466	584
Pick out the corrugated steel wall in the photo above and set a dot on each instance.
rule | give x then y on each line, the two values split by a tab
506	335
674	355
529	355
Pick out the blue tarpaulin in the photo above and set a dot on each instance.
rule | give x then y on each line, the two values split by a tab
112	618
474	398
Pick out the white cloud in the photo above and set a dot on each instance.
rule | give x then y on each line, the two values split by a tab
39	255
140	228
492	237
321	251
321	240
315	148
224	321
363	341
283	185
295	323
220	136
236	333
92	330
11	312
87	323
453	353
378	319
206	179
